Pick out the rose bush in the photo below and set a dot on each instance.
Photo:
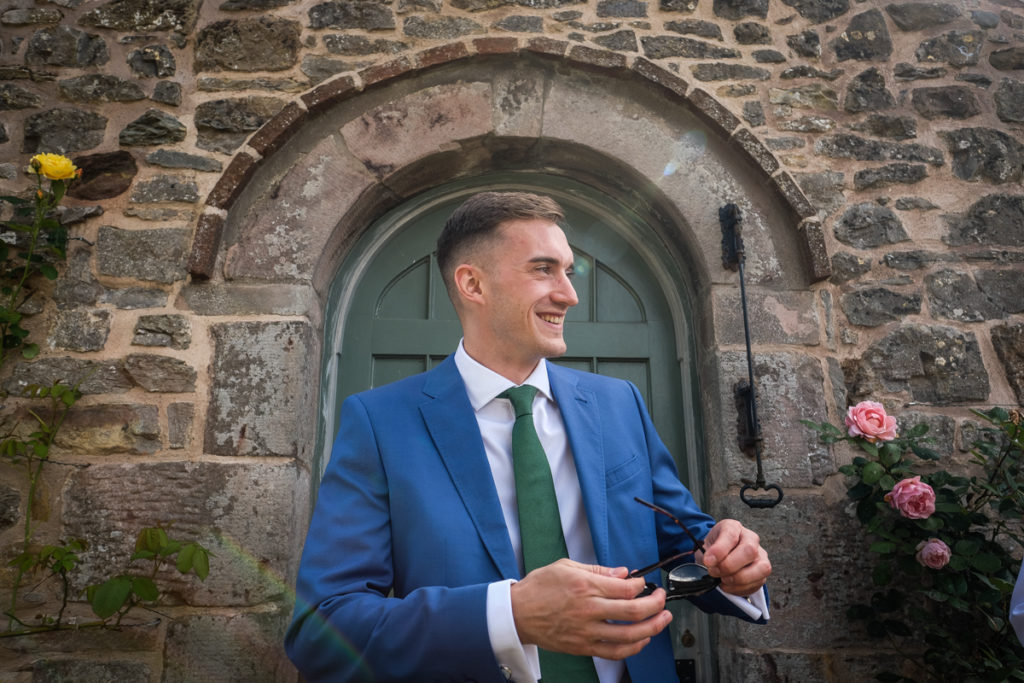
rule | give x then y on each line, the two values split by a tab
945	546
54	167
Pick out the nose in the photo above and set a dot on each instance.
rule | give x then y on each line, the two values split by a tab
565	293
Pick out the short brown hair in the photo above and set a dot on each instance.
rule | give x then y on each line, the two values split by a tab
479	217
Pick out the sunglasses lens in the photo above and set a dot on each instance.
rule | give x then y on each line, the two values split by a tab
690	579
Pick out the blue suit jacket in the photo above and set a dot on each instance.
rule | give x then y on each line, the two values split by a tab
408	531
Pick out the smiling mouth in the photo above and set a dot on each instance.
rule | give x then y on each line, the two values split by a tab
553	319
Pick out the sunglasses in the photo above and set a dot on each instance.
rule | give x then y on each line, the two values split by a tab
687	579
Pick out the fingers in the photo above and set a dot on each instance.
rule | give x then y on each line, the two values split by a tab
734	553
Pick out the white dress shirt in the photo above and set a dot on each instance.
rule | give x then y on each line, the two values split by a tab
496	417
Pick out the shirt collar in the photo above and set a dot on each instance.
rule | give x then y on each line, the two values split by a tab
484	384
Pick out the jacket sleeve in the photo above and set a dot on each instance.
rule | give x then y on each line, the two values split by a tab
348	624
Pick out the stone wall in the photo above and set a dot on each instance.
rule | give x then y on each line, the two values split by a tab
887	133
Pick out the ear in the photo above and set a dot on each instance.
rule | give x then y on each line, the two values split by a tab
469	283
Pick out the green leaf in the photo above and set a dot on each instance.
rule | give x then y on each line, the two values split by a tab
145	588
48	271
872	472
883	547
110	596
201	562
185	557
30	351
986	562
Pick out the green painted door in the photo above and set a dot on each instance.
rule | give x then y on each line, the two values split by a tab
397	319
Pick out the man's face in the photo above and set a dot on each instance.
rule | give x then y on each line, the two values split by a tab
526	294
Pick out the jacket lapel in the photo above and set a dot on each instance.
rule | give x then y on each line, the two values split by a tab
452	425
579	411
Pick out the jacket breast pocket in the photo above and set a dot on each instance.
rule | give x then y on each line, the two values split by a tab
624	471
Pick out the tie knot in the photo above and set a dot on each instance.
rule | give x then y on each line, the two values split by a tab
521	398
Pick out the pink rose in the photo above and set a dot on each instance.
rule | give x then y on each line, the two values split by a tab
933	553
868	419
912	498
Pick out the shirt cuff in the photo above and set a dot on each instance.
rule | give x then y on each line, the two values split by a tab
754	605
519	659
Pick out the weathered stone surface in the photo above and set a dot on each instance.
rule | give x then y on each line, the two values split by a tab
173	331
167	92
93	377
914	259
66	46
824	190
107	429
318	68
890	174
10	507
805	44
880	125
5	169
954	101
104	175
997	219
163	374
171	159
15	97
144	15
622	41
223	125
939	365
31	17
621	8
846	267
775	317
242	5
1008	341
696	27
77	286
152	128
808	124
909	72
980	80
958	48
444	27
737	9
155	255
915	204
63	131
768	56
100	88
243	513
350	45
1010	59
357	14
985	154
160	214
819	11
812	96
165	188
1009	97
214	84
941	430
867	92
795	383
865	38
869	225
260	390
718	71
242	646
804	71
1003	288
753	114
535	24
152	61
257	44
78	330
180	419
661	47
877	305
955	296
751	33
984	19
845	146
915	16
56	670
135	297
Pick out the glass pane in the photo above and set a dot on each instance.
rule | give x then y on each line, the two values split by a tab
638	372
390	368
406	297
616	301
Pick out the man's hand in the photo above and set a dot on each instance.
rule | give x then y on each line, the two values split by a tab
567	606
733	553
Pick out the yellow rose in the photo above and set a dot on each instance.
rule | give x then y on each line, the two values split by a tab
53	166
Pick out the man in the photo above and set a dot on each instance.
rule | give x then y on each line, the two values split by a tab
415	566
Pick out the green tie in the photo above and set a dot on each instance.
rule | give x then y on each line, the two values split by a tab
539	524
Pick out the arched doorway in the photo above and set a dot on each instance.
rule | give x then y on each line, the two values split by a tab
388	316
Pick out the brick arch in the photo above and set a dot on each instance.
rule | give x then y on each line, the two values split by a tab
372	84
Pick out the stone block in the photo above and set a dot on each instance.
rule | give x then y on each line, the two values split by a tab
15	97
152	61
144	15
286	232
167	158
264	43
664	47
230	185
262	397
152	128
78	330
92	377
956	296
109	429
518	103
790	387
347	14
953	102
890	174
245	646
246	299
245	514
10	506
180	418
156	255
173	331
160	373
869	225
941	434
135	297
875	306
63	131
400	132
278	130
440	27
167	92
1009	97
205	244
867	92
1003	288
996	220
104	175
165	188
820	566
775	317
985	154
866	38
329	93
66	46
1008	341
224	124
59	670
100	88
939	365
